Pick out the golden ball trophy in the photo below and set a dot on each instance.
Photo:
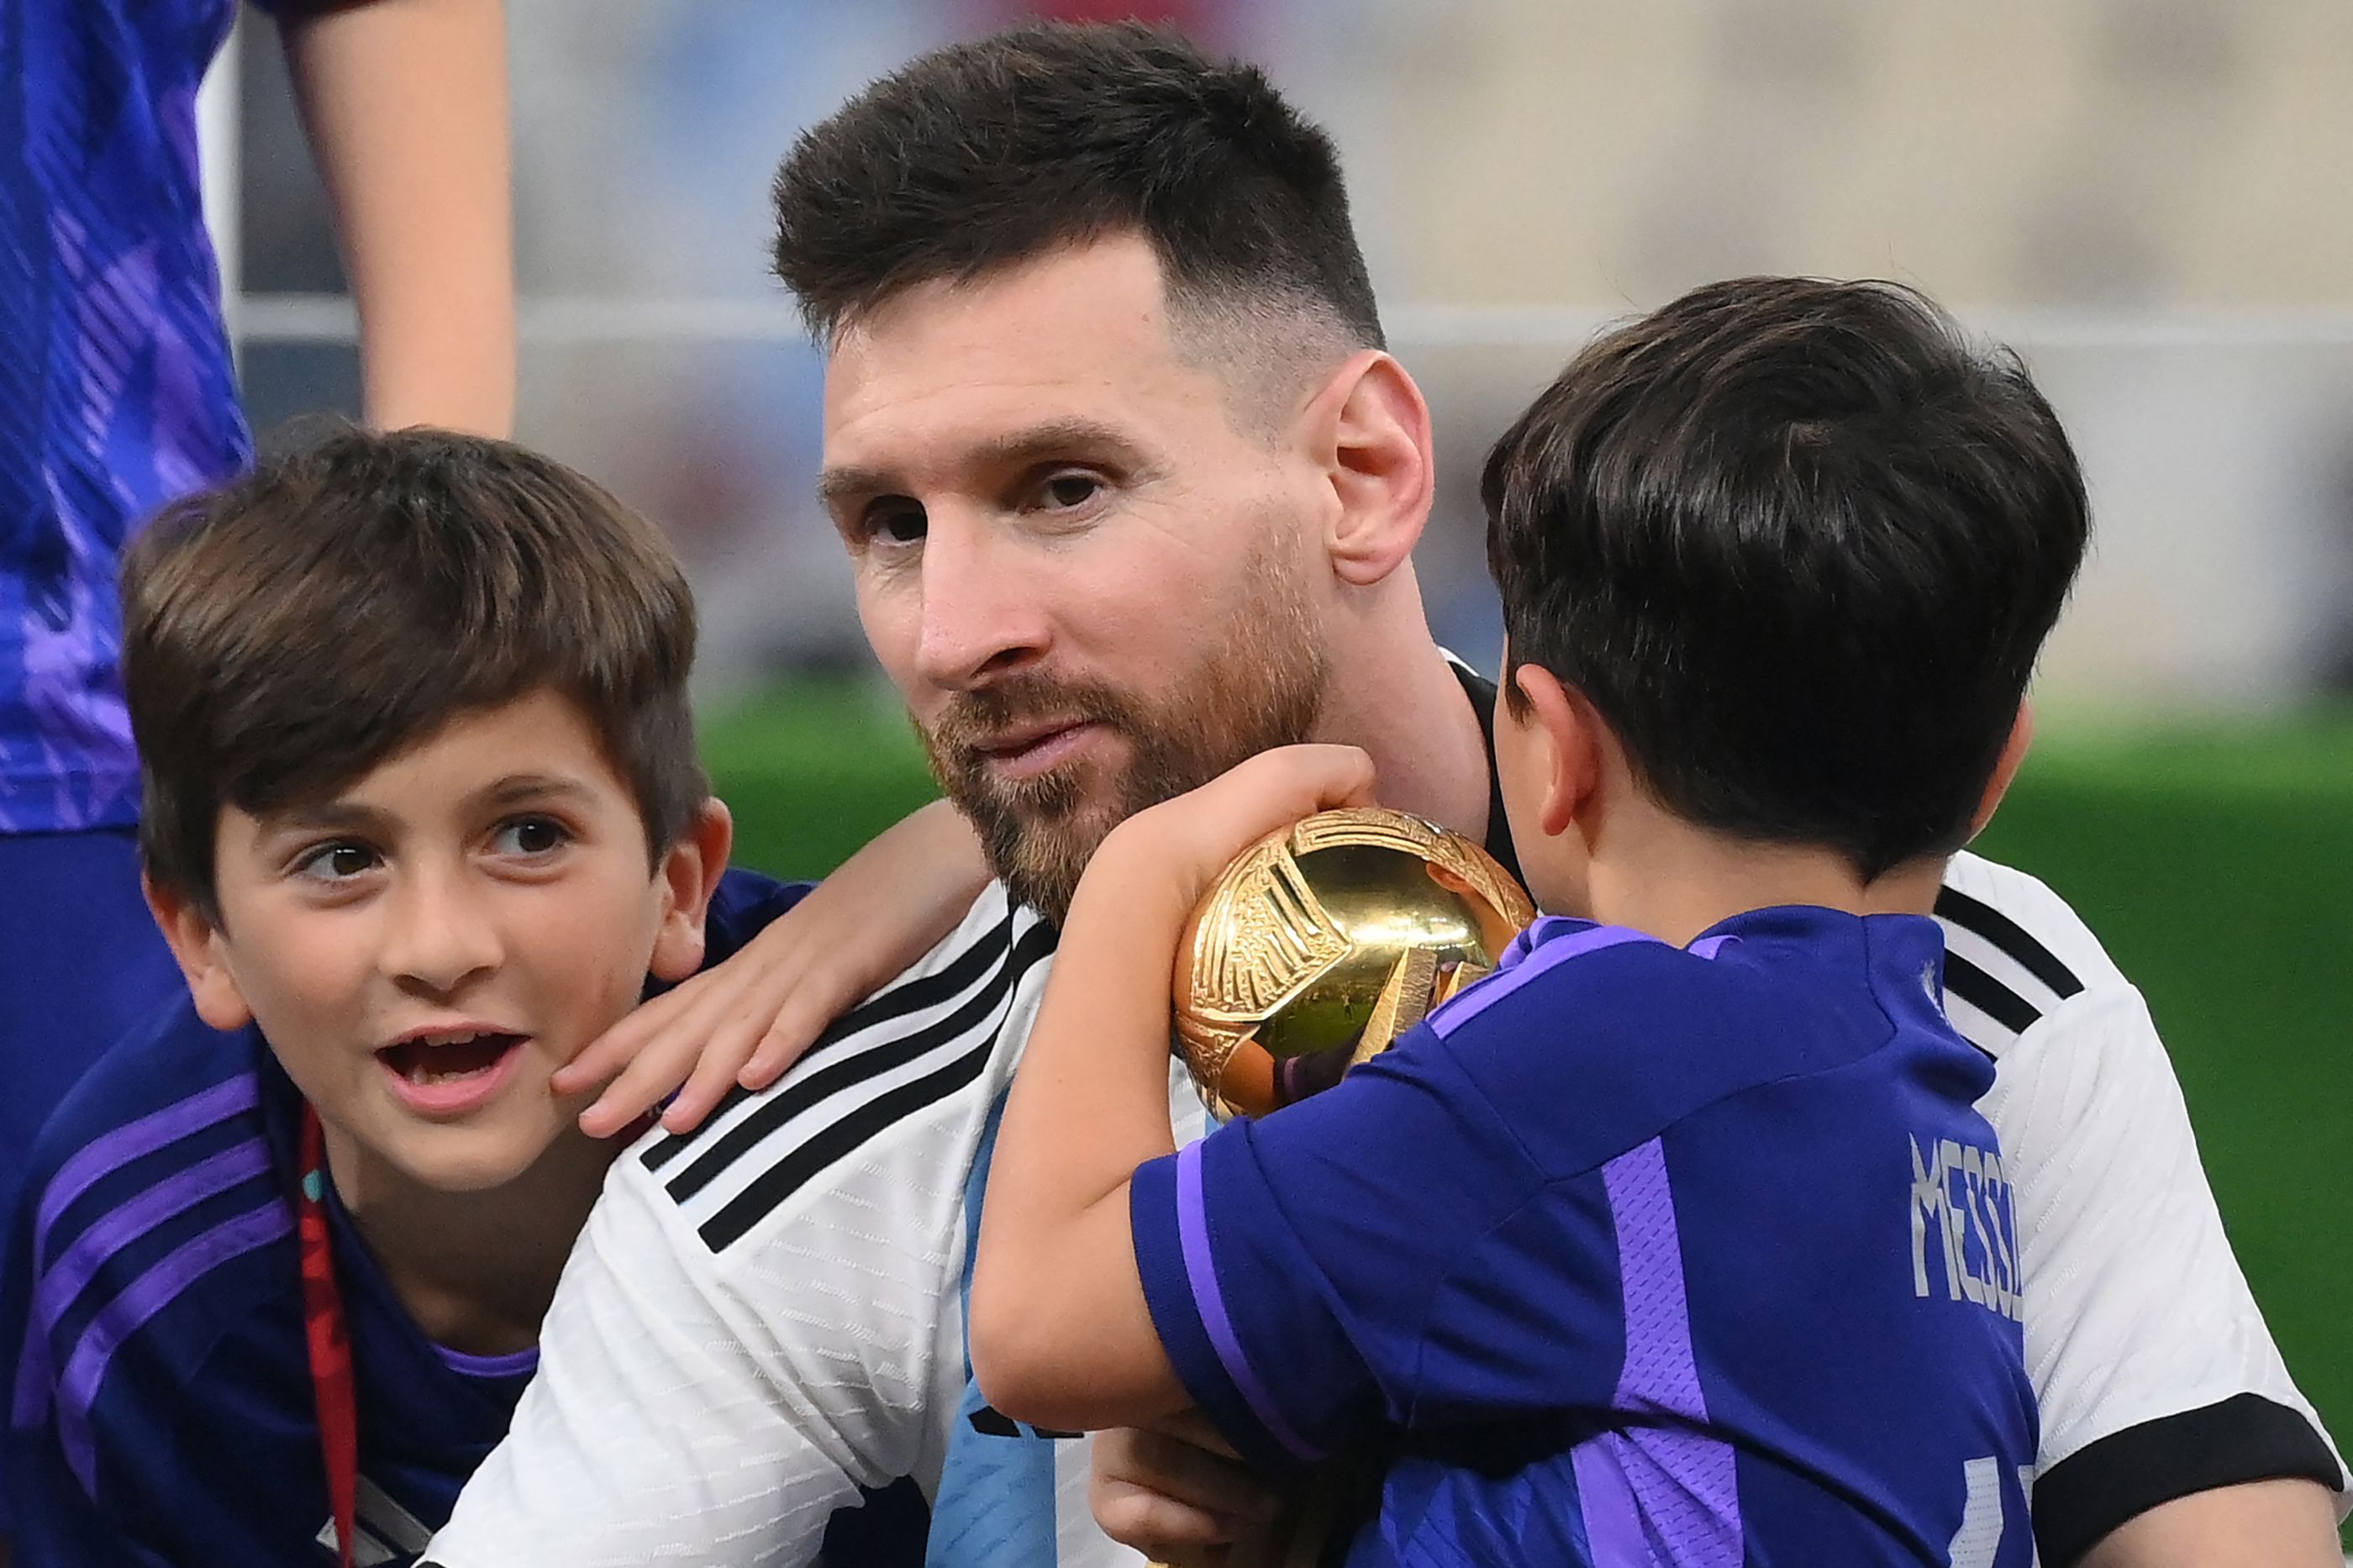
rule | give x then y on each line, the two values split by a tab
1319	946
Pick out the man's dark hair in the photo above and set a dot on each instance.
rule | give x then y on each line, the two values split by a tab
983	155
1799	542
289	631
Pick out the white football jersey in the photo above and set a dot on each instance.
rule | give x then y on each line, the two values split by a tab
2155	1374
766	1316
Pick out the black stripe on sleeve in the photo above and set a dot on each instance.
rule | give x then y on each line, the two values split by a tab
870	1062
786	1176
1988	995
2245	1438
2007	934
913	997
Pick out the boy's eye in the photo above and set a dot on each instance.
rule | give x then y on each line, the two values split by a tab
336	862
530	835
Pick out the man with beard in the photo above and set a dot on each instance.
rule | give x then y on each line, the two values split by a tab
1130	488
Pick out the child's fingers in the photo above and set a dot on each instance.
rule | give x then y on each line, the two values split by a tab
725	1050
1157	1524
617	1046
1330	777
661	1067
788	1038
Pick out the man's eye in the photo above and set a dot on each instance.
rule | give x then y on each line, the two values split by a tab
530	835
336	862
1072	488
900	523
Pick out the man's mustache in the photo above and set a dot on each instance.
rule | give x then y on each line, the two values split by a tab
973	718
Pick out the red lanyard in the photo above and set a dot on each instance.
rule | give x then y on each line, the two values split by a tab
331	1386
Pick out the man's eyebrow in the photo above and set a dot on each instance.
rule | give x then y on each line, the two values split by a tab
1073	436
837	487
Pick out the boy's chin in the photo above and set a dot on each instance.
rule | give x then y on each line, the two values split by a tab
469	1159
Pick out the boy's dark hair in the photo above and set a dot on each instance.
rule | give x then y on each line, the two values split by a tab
1799	542
289	631
985	155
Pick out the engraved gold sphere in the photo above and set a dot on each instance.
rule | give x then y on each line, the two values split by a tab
1324	941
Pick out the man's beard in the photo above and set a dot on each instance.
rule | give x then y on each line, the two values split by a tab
1260	685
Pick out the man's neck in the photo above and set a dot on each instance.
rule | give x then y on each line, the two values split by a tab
1405	707
476	1270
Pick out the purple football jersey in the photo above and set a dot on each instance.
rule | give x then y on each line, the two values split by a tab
117	393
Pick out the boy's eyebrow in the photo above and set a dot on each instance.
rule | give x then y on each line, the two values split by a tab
343	816
532	787
329	815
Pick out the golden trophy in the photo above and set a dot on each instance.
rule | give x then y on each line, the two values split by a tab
1318	947
1324	941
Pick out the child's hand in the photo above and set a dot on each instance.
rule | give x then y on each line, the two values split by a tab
749	1019
1192	838
1175	1493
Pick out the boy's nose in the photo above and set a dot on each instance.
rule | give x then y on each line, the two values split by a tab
438	936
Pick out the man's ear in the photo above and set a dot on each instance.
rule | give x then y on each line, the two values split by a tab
2005	766
196	944
690	874
1371	430
1568	731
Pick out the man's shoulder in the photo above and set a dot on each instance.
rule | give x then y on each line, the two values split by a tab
899	1088
2015	953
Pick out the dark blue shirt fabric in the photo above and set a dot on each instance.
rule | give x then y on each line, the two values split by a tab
161	1406
1630	1253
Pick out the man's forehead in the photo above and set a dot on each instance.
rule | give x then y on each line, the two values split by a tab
1071	348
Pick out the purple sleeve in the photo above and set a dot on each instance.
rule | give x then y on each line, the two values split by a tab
1290	1263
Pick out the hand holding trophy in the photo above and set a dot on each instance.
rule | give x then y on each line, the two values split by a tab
1314	950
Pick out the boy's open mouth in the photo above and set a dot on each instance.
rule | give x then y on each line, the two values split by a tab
433	1062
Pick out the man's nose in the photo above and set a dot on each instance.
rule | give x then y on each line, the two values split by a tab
438	935
985	604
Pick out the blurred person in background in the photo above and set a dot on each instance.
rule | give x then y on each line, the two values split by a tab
1121	355
118	394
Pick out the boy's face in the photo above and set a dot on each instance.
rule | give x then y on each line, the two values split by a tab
425	947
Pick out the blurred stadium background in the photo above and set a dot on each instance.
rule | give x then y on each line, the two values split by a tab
2147	197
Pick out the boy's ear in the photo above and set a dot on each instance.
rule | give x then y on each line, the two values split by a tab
690	874
2005	766
195	945
1568	731
1371	430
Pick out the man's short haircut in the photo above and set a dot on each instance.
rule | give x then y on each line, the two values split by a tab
984	155
289	631
1799	542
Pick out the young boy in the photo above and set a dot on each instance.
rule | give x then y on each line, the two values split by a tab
422	817
1677	1240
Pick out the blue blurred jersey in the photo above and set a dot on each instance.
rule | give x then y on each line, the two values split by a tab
1631	1254
116	389
161	1402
